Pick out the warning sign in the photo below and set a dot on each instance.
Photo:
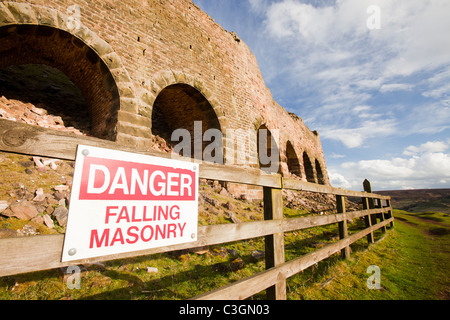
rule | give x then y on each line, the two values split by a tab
123	202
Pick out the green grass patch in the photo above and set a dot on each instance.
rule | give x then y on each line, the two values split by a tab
13	166
414	264
413	259
294	213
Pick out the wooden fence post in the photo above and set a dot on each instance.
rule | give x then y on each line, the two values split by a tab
368	188
368	204
343	231
274	244
367	220
380	205
389	214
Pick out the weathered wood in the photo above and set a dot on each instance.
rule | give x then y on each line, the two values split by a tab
38	141
28	254
51	143
294	184
389	214
274	243
367	220
293	224
381	214
247	287
312	258
35	253
368	188
239	175
343	231
32	140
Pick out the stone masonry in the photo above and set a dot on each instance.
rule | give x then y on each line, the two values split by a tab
149	67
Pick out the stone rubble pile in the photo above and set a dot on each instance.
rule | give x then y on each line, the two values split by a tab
315	202
26	112
51	209
36	206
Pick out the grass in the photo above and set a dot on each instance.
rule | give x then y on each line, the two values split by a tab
13	166
419	201
413	259
179	276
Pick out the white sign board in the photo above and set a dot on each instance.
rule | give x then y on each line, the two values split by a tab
123	202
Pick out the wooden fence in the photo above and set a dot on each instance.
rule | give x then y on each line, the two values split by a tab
35	253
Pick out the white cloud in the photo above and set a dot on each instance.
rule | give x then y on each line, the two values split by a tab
291	18
438	92
418	31
258	6
425	165
324	51
395	87
428	147
338	180
366	112
359	109
332	59
336	156
355	137
398	167
427	119
439	87
321	61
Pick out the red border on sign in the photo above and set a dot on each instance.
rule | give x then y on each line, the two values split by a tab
108	179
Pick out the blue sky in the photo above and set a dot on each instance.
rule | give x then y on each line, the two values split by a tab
373	77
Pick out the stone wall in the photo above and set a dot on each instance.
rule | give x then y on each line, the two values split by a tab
130	58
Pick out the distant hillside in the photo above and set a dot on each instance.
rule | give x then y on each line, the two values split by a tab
420	200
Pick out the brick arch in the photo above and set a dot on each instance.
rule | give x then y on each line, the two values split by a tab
292	160
179	101
258	122
308	168
33	34
269	167
319	173
164	79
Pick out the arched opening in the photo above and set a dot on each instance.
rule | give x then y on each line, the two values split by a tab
55	71
292	160
309	171
41	95
180	106
268	152
320	178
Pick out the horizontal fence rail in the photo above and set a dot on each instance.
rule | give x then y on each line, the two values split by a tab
245	288
35	253
37	141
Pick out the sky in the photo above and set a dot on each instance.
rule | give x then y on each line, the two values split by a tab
371	76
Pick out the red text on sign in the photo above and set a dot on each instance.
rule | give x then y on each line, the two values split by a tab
107	179
109	237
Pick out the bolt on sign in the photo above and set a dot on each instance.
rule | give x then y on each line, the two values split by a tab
124	202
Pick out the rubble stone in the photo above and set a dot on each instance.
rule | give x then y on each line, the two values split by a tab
48	221
61	214
24	210
3	205
257	255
